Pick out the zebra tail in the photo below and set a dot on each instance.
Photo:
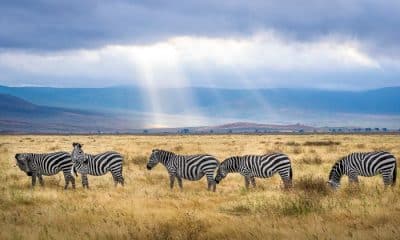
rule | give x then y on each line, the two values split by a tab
394	173
291	173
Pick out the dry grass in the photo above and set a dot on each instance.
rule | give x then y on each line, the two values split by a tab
146	209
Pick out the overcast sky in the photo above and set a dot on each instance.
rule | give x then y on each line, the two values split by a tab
237	44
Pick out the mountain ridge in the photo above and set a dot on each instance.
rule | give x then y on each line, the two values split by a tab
134	108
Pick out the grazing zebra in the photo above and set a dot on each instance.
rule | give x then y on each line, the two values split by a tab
36	165
97	165
190	167
364	164
252	166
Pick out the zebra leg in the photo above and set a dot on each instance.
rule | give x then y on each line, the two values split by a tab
179	182
171	181
387	177
287	181
41	180
85	181
33	179
353	178
118	178
246	182
67	179
121	181
211	183
72	182
253	181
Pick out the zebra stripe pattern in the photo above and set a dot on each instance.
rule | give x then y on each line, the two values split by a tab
97	165
364	164
36	165
262	166
190	167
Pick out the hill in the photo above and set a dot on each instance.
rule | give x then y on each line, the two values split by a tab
211	101
131	108
18	115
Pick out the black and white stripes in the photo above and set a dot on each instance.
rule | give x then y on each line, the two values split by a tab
190	167
262	166
194	167
364	164
47	164
97	165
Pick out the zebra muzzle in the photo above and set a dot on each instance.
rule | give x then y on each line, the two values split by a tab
148	167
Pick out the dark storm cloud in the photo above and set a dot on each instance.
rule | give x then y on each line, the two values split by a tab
53	25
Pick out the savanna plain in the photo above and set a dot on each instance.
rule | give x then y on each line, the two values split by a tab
145	208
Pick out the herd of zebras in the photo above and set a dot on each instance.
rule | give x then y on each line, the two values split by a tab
194	167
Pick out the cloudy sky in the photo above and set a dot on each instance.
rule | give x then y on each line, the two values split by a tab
346	44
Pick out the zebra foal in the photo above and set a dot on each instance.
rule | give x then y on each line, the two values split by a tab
97	165
190	167
366	164
36	165
262	166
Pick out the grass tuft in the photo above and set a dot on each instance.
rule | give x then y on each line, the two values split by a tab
310	184
313	160
139	160
321	143
299	205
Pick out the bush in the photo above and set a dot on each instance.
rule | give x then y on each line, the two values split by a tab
292	143
315	159
297	150
299	205
178	148
321	143
311	184
139	160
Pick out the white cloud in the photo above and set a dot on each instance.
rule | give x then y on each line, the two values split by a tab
172	62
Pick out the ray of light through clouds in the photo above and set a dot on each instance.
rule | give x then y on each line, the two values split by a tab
171	62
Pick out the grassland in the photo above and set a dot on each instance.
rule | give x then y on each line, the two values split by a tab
146	209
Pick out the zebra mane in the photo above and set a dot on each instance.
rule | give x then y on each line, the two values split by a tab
163	151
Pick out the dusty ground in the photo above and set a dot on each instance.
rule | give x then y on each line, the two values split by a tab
146	208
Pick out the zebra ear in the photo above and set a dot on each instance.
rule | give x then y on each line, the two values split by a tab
74	144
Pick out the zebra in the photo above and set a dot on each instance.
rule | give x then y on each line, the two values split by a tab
366	164
190	167
36	165
97	165
262	166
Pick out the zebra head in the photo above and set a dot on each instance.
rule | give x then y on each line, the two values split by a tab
154	159
221	173
77	155
335	175
24	163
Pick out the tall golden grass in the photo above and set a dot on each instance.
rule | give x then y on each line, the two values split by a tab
147	209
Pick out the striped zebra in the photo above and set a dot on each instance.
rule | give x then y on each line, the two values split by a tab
190	167
365	164
97	165
36	165
262	166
